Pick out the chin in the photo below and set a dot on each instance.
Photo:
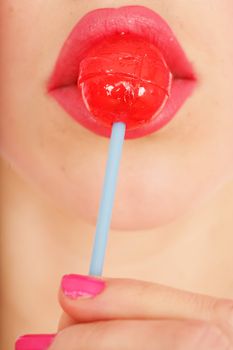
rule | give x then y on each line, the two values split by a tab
145	217
133	218
135	212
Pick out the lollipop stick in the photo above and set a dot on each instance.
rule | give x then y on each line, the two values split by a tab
108	194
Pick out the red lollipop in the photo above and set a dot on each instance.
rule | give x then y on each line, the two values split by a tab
124	78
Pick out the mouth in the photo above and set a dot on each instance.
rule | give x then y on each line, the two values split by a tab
100	24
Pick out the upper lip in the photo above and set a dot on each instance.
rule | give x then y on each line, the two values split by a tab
97	24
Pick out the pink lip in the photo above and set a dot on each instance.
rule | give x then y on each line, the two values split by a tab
92	28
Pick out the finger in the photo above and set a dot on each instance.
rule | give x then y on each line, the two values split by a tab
138	335
131	299
65	321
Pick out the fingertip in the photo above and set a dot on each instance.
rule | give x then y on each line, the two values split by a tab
75	286
34	341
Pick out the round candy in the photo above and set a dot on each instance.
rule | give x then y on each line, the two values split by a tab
124	78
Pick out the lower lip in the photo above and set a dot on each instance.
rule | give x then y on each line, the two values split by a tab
62	84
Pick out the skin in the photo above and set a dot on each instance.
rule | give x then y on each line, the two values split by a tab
182	232
152	316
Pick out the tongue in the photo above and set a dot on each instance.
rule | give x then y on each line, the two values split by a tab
124	78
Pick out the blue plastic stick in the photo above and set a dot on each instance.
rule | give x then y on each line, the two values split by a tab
108	194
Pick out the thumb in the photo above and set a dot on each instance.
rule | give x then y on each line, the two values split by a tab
87	299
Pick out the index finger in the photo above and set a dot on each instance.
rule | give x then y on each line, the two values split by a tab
86	298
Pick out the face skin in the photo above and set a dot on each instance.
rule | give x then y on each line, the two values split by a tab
162	175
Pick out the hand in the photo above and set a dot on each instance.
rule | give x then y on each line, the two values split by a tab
118	314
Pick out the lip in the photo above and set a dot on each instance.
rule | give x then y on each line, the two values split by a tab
94	26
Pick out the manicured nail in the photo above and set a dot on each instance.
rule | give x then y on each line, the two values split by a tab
77	286
34	342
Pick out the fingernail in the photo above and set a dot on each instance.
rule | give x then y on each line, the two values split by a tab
79	286
34	342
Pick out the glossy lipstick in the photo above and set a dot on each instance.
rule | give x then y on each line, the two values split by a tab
96	26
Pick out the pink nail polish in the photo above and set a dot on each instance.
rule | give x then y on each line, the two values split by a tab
76	286
34	342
